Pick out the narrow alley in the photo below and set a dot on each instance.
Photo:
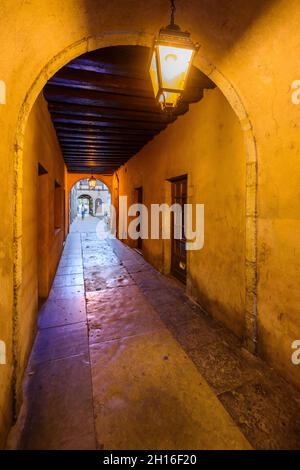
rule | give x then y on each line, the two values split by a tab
150	228
124	360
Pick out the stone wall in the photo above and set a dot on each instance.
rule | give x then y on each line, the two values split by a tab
43	233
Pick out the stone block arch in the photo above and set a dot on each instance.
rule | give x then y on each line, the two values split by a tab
114	38
72	179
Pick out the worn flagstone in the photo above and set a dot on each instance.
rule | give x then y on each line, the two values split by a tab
149	395
107	277
58	312
124	360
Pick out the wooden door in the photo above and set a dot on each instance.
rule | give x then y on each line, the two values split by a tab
178	246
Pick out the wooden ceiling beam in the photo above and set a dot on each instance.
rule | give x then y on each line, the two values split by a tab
102	131
108	157
101	155
85	151
103	108
100	171
79	145
103	123
71	152
106	112
96	98
96	165
102	82
191	94
99	163
90	145
82	154
102	67
95	139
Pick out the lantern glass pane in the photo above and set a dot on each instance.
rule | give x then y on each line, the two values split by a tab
153	73
174	64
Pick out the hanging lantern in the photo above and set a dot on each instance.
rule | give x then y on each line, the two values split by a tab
171	60
92	182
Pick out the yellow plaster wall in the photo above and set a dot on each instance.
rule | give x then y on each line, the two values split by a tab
207	145
40	146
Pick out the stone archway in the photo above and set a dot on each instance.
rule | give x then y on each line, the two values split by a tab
74	178
87	44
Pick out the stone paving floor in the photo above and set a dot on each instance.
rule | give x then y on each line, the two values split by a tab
124	360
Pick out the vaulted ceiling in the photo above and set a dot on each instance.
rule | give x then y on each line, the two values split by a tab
103	108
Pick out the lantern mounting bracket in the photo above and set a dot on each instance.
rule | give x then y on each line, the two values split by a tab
172	24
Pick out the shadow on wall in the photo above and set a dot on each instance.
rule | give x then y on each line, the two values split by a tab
223	21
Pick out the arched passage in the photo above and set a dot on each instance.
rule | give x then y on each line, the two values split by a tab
96	202
139	38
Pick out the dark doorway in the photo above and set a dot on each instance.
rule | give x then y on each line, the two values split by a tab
178	246
139	197
98	206
86	204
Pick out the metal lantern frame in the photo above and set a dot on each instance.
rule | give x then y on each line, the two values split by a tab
170	36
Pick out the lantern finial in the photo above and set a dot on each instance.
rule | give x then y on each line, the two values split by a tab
173	10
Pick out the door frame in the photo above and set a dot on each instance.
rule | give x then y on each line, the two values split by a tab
182	278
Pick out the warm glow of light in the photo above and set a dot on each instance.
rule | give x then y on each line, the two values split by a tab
153	73
92	182
171	60
174	64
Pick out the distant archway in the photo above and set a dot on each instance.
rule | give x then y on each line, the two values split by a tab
96	202
85	204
